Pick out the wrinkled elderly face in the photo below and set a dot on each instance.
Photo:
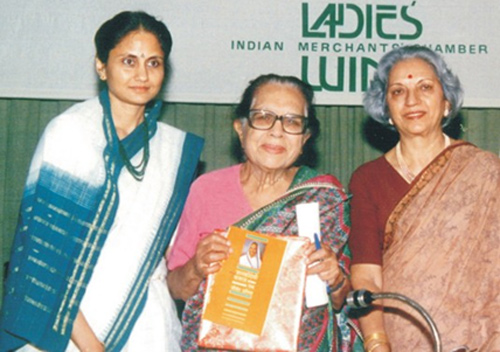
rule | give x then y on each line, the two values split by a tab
415	98
273	149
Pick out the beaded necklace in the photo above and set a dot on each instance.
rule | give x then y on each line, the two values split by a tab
138	171
149	128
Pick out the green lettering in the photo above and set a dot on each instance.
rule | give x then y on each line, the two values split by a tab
328	18
369	23
305	73
360	48
352	74
339	87
360	22
303	46
366	63
449	48
372	47
305	24
383	16
412	20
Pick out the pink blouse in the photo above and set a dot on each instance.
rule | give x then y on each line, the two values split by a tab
215	201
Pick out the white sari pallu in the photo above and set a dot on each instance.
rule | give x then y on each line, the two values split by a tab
92	238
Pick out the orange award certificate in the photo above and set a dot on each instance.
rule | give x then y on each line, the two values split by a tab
255	300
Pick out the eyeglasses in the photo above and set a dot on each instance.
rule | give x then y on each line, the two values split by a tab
265	120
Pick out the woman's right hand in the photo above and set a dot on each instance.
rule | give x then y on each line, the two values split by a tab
211	250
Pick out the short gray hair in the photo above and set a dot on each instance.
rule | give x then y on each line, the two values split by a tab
374	100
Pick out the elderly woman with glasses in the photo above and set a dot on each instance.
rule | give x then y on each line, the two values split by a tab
275	122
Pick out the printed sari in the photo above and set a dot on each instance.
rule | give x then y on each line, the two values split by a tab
90	236
321	328
442	244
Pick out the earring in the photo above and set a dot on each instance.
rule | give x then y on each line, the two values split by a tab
391	122
446	112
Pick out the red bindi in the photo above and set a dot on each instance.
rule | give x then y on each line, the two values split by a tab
410	76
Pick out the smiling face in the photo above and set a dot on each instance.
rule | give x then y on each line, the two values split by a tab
415	98
135	69
273	149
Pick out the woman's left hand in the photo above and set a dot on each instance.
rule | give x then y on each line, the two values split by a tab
324	262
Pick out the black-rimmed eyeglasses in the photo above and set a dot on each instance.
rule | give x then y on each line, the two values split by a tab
265	120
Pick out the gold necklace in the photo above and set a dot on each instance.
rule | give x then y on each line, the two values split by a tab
408	175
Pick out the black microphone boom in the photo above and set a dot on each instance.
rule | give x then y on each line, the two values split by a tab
359	299
363	298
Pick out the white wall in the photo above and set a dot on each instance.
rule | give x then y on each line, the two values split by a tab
219	45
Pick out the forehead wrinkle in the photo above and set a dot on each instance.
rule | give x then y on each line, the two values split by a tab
287	84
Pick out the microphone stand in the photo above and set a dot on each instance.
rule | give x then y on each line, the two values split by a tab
363	298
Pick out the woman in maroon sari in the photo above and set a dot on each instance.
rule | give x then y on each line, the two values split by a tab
425	215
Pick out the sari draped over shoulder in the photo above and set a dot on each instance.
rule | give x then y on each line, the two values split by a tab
91	237
442	243
320	328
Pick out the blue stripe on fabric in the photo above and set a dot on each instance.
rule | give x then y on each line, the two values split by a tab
120	331
53	228
66	186
89	217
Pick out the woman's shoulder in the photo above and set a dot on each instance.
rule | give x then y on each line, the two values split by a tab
219	177
484	159
327	179
323	180
490	159
468	152
77	119
373	165
308	174
370	168
73	141
172	130
173	137
214	184
79	124
367	173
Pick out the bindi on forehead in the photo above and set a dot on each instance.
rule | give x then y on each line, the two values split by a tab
410	76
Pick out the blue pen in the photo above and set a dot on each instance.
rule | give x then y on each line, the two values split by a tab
317	244
316	241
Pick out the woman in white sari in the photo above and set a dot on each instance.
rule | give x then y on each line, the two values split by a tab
104	192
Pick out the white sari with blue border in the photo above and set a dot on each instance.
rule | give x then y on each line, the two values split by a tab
91	237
